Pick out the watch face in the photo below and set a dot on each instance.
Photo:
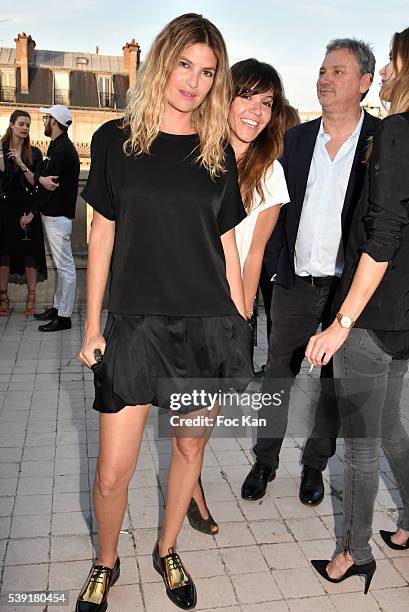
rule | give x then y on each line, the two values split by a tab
346	321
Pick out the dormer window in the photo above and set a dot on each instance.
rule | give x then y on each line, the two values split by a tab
106	98
62	88
8	86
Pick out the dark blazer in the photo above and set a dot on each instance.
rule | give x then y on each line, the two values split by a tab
299	143
381	229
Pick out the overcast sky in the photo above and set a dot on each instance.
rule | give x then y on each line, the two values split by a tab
290	35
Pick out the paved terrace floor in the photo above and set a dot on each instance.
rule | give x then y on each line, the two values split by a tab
259	562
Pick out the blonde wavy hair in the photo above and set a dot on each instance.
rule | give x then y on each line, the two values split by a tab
147	101
396	90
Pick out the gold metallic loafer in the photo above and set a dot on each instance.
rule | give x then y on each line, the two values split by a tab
179	585
94	594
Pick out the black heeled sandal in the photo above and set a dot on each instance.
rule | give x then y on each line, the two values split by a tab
386	537
196	519
367	570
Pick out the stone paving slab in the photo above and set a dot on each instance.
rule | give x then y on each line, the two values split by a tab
259	562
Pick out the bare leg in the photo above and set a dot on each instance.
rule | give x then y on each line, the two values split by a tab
184	471
31	276
400	537
4	277
339	565
200	500
120	436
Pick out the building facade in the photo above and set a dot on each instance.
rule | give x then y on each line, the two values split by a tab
92	85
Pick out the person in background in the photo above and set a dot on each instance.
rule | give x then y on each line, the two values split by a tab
369	336
56	200
22	253
322	162
256	121
273	246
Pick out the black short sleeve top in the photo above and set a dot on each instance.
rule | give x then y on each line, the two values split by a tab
169	215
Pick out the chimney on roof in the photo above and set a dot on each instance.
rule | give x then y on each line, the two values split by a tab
132	54
25	46
97	49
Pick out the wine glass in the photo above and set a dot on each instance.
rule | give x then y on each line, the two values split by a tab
25	228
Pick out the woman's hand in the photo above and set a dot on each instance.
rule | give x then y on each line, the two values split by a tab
90	343
26	219
15	156
324	345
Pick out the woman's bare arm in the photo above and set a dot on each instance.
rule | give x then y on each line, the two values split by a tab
101	242
265	225
367	278
233	272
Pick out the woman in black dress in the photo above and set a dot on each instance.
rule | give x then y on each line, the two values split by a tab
163	185
22	254
369	337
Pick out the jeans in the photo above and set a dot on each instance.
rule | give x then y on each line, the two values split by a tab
369	383
296	314
58	232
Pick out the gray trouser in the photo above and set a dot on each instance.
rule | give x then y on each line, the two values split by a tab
369	386
58	231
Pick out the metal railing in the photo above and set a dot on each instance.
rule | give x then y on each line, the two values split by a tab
83	148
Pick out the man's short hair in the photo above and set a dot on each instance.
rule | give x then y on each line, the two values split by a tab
362	51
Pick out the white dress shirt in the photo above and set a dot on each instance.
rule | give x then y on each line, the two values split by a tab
318	248
275	192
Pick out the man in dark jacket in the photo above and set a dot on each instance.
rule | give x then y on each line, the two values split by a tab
57	196
323	164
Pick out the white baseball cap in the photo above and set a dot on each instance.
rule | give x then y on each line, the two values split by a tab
60	112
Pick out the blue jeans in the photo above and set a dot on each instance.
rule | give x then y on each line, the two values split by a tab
368	384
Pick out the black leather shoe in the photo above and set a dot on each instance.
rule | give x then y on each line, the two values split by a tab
260	373
311	487
48	315
255	485
56	325
94	594
179	585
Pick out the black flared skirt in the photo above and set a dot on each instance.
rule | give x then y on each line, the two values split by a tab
148	358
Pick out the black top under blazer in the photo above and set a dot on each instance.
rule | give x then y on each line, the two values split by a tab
380	228
299	144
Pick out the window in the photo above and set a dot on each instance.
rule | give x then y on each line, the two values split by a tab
61	88
106	98
8	86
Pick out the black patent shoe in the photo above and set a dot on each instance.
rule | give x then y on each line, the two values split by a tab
386	537
311	487
48	315
57	324
255	485
179	585
94	594
367	570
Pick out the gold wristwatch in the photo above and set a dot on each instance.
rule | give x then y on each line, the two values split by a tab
345	321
